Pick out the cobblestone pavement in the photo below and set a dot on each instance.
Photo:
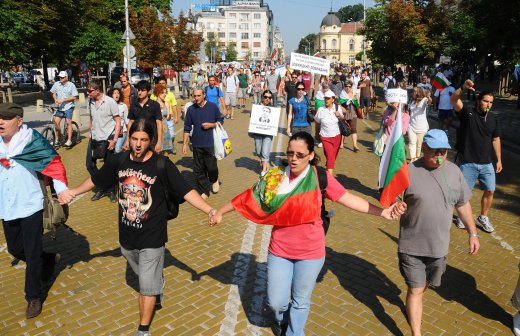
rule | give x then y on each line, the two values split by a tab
216	277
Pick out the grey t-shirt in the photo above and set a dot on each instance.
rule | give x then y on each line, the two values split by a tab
431	196
271	80
103	123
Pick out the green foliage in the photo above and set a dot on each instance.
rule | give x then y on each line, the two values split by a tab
306	45
97	45
461	39
210	42
15	30
350	13
231	53
186	43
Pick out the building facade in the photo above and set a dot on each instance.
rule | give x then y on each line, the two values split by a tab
246	25
339	42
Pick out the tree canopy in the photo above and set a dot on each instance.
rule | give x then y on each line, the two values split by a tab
350	13
306	45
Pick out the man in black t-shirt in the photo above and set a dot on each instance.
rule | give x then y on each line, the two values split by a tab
478	140
143	212
145	108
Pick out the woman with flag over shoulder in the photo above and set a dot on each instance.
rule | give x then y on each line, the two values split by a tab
286	198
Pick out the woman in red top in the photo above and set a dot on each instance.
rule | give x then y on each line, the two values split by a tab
286	198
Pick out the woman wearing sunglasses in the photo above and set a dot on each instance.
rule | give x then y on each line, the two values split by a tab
298	109
286	198
349	100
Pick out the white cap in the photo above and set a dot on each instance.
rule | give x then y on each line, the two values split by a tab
63	74
329	94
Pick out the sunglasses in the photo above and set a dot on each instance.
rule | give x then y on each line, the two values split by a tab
268	97
298	155
300	89
349	85
294	77
91	90
328	97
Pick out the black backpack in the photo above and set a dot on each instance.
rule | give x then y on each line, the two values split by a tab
391	83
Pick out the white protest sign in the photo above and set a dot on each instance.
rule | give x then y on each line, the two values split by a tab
310	63
396	96
264	120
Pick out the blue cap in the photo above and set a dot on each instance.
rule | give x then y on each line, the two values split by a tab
436	138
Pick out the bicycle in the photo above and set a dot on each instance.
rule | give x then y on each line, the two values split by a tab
49	132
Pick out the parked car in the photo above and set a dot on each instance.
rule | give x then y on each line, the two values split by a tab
18	78
137	75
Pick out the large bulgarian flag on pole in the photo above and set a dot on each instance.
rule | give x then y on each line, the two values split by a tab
31	150
440	82
393	170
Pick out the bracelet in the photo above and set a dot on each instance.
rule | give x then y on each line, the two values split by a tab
471	235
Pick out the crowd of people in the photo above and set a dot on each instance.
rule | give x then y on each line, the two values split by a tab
132	132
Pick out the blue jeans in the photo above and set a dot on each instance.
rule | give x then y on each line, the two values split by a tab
484	173
120	142
263	146
291	279
171	127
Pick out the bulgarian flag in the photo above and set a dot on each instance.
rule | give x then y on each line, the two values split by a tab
275	200
317	54
440	81
273	55
31	150
393	170
344	98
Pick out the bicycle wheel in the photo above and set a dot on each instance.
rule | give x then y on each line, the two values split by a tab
48	133
76	136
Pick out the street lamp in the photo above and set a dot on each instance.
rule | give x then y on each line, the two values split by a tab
364	43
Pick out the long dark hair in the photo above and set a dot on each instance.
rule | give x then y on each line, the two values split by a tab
309	141
142	125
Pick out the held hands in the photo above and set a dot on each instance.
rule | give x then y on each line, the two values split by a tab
215	218
66	196
394	211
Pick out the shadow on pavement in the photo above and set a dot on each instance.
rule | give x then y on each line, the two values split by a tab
235	271
461	287
350	183
248	163
366	283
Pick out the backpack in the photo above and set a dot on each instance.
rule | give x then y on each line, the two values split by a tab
391	83
323	182
54	214
173	206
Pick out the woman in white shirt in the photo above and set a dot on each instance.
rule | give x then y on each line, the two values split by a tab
123	113
327	117
418	122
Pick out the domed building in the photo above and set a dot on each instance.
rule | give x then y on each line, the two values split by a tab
339	42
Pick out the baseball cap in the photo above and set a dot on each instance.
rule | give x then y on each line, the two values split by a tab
329	94
436	138
62	74
11	110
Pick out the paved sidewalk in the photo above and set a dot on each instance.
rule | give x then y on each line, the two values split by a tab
216	277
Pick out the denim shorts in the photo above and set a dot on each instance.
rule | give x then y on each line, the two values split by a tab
148	264
65	113
417	270
484	173
445	114
364	102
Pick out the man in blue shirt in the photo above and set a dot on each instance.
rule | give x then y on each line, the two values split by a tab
214	94
202	117
24	153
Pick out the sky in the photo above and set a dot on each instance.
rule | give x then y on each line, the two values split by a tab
295	18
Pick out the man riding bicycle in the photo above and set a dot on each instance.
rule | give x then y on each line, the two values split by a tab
65	94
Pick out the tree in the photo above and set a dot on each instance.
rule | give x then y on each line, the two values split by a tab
15	32
350	13
306	45
462	39
97	45
186	43
210	43
231	53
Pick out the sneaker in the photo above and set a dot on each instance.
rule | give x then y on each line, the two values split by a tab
99	194
142	333
204	196
34	308
215	187
68	143
279	329
458	222
484	223
320	145
516	324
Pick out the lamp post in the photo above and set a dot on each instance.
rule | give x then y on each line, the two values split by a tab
364	40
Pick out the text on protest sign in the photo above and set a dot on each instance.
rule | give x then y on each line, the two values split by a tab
396	96
310	63
264	120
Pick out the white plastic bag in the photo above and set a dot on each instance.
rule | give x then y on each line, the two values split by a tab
221	142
